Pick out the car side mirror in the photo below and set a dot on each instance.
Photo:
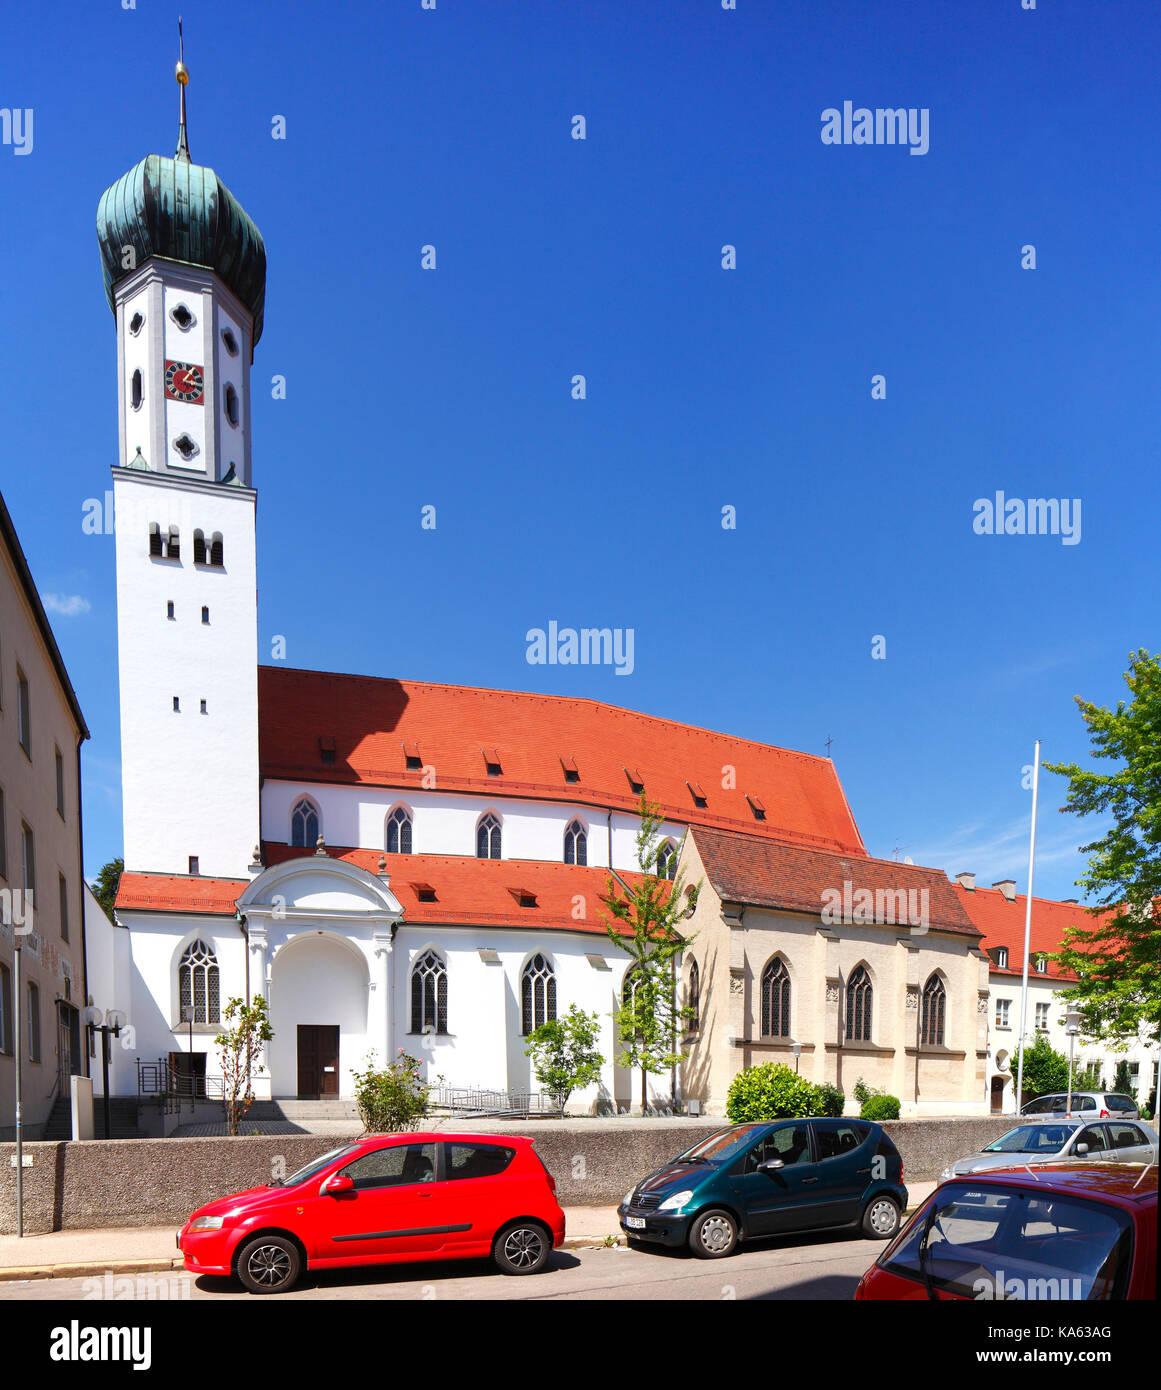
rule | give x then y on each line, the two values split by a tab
336	1185
1082	1148
771	1165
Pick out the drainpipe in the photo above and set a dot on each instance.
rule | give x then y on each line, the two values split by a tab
84	940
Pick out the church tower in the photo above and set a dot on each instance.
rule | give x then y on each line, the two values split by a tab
185	276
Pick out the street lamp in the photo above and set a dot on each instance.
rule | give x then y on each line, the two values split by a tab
797	1050
1072	1022
112	1024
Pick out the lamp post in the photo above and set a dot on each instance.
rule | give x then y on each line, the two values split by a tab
112	1024
797	1050
19	1090
1072	1022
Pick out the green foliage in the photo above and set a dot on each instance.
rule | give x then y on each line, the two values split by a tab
863	1092
829	1100
240	1041
564	1053
1088	1078
642	921
394	1097
1116	957
880	1107
1045	1069
769	1092
105	885
1121	1080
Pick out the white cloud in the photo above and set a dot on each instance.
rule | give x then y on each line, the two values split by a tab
67	605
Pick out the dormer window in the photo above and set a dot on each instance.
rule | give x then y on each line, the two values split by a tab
424	892
229	342
757	807
411	754
1001	957
699	797
135	390
181	315
231	405
326	748
185	446
636	781
136	323
571	771
1040	964
492	761
526	897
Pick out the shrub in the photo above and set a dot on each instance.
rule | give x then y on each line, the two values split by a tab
880	1107
829	1100
770	1092
863	1092
391	1098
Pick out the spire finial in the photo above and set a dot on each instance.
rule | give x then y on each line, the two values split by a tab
181	72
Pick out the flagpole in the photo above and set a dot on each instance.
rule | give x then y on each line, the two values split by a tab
1027	931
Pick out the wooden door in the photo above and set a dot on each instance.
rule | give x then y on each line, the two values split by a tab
318	1061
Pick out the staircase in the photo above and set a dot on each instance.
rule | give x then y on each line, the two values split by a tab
329	1108
122	1119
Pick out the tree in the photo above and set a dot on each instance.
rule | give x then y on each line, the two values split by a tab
642	922
1045	1069
564	1054
394	1097
247	1028
1122	1081
1115	959
105	885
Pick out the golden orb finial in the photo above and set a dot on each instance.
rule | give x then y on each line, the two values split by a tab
181	72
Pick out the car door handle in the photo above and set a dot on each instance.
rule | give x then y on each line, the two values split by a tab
806	1180
862	1170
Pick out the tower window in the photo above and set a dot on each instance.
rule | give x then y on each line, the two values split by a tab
136	323
204	710
185	446
230	342
155	539
216	549
135	390
199	548
182	317
206	616
176	705
231	405
173	544
169	609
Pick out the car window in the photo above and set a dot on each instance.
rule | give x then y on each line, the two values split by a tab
396	1166
1125	1136
1084	1103
1119	1102
718	1146
316	1165
790	1143
1044	1105
476	1160
836	1140
1093	1136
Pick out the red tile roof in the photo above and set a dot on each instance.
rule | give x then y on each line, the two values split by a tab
373	720
481	892
749	870
175	893
1002	922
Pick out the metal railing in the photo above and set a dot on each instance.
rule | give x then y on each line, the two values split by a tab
163	1081
471	1101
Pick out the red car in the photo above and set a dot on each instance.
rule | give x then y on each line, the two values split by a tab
1057	1231
391	1198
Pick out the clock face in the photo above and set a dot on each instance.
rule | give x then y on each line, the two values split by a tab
184	382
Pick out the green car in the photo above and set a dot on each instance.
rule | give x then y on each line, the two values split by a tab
773	1178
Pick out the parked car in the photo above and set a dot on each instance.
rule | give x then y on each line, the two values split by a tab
1102	1103
781	1176
1075	1231
391	1198
1049	1140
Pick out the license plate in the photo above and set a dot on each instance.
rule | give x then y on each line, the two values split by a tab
635	1223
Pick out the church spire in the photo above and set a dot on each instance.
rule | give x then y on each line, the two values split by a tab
181	72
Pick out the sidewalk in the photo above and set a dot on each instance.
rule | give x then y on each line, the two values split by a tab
147	1249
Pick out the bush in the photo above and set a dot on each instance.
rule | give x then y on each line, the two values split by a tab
392	1098
829	1100
880	1107
769	1092
863	1092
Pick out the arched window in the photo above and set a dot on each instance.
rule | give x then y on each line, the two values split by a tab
859	1000
429	994
135	390
154	539
399	833
199	548
198	983
693	999
488	839
537	995
934	1010
216	550
231	404
576	844
667	861
173	544
776	999
304	824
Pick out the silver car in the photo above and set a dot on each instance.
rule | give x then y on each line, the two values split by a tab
1096	1105
1050	1140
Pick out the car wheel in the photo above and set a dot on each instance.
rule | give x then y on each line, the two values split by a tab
714	1234
269	1264
522	1247
881	1218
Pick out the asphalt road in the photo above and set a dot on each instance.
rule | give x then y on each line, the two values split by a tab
810	1268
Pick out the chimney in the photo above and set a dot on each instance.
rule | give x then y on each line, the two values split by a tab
1007	886
1073	901
967	881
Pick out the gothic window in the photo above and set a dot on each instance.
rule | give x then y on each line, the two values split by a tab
399	833
429	994
216	550
135	390
304	824
198	980
859	1000
576	844
231	405
776	999
154	539
537	995
933	1011
488	837
199	548
667	861
693	998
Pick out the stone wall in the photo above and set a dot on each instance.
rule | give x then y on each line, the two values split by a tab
152	1182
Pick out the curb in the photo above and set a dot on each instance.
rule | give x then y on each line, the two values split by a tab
80	1269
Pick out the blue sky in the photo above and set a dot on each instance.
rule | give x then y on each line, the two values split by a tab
706	387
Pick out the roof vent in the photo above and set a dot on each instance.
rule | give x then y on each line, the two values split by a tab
326	748
571	771
492	761
424	892
524	896
967	881
1007	886
636	781
411	753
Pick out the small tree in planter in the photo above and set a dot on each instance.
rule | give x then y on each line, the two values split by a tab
394	1097
564	1054
247	1028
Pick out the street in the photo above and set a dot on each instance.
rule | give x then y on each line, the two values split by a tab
809	1267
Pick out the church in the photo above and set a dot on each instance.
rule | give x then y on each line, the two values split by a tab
397	865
